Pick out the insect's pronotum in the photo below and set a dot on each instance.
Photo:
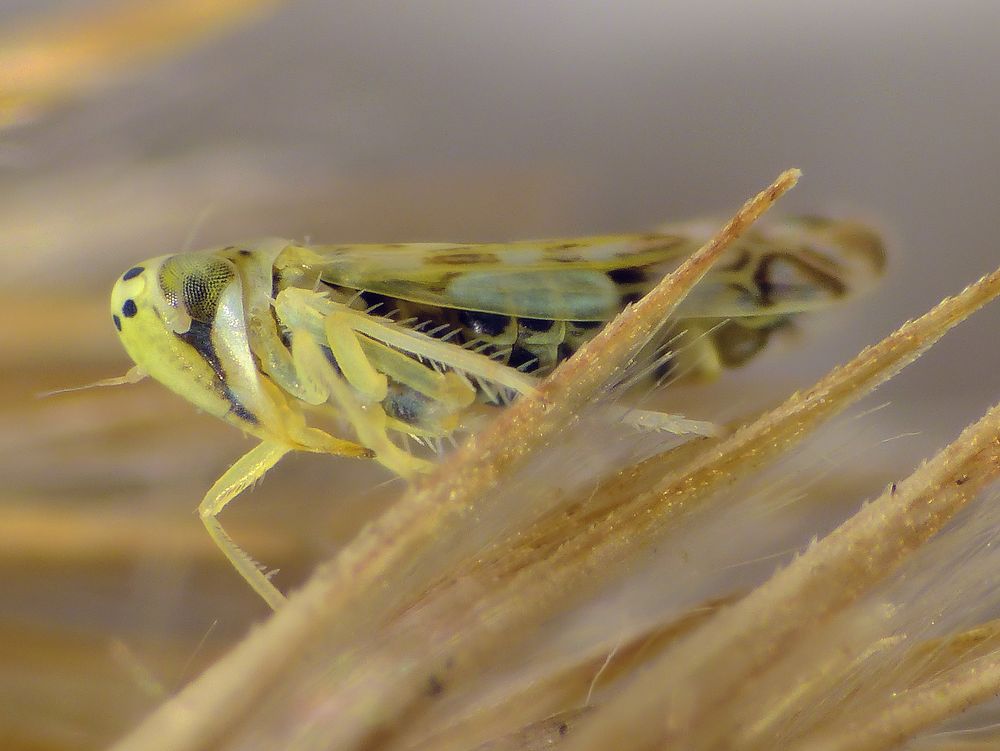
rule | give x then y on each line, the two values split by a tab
417	340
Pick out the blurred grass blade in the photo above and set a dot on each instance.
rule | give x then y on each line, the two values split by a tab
61	56
676	699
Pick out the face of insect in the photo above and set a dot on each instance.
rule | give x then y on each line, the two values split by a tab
180	318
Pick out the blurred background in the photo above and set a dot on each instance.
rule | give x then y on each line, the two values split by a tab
440	120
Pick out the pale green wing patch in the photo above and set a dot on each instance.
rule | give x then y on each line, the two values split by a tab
557	294
553	279
778	268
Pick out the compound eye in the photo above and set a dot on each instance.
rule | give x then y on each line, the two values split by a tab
197	282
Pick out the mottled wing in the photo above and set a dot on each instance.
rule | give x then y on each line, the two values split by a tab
782	268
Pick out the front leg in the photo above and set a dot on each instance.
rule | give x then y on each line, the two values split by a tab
245	472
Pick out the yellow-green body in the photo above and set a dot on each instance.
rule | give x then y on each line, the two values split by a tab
297	345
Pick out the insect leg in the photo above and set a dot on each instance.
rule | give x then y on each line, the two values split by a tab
464	360
245	472
351	359
368	420
448	388
302	308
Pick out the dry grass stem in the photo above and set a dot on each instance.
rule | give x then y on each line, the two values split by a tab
886	724
689	684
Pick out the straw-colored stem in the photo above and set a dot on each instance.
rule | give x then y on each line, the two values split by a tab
673	702
886	724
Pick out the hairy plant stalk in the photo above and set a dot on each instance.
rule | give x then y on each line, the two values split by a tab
565	556
888	723
692	682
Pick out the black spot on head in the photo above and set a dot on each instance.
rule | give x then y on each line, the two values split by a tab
587	324
484	324
563	728
434	686
631	298
520	358
628	275
129	308
538	325
132	273
118	322
245	253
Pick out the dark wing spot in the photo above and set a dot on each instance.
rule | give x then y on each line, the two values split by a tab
628	275
587	324
484	324
538	325
132	273
118	322
461	259
520	358
761	277
739	264
129	308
